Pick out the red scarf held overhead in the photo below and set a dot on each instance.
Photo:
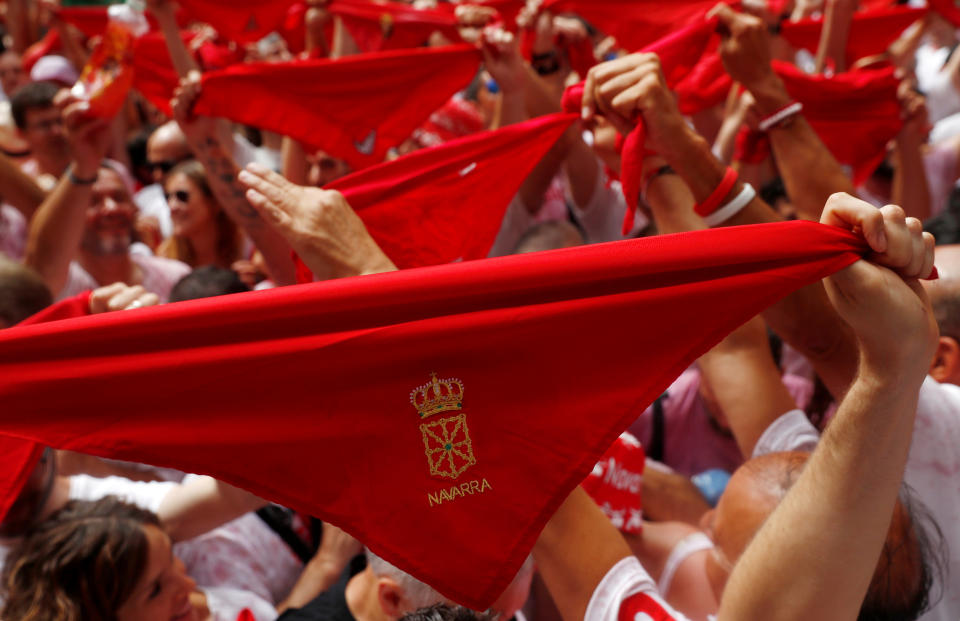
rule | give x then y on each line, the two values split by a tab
635	23
378	26
679	53
354	108
446	204
855	114
243	21
870	32
321	397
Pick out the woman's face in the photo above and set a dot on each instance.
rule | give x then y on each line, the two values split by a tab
190	210
163	591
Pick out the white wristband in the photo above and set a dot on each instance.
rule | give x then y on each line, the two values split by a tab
732	208
778	117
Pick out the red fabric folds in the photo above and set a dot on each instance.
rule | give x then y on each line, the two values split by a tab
870	32
635	23
446	204
392	25
947	9
321	397
855	114
354	108
243	21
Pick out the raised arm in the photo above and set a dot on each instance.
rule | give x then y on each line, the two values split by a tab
815	555
203	136
623	88
57	226
202	504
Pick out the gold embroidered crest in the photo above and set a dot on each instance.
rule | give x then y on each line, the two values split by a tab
446	441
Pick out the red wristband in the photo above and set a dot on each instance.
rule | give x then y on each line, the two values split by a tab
714	201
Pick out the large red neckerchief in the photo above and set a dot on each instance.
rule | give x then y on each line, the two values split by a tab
308	395
354	108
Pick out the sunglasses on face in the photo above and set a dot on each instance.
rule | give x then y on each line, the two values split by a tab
181	195
164	166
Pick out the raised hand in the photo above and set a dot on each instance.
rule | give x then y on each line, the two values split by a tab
318	224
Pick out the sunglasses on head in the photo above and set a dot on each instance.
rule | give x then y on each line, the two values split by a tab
181	195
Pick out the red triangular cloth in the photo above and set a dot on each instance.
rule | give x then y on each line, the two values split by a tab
393	25
871	32
243	21
303	394
354	108
446	203
635	23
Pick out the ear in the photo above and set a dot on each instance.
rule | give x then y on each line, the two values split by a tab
390	596
946	361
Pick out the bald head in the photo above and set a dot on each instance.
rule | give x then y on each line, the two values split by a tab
166	147
901	582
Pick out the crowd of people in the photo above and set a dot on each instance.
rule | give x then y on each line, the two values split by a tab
806	467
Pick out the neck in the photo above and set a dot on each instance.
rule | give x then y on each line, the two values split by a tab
204	243
110	268
362	598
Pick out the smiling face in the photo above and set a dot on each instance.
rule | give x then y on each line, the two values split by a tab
110	216
190	209
164	590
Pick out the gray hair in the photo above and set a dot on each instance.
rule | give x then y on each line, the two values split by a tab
420	594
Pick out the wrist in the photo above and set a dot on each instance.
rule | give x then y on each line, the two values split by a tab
82	173
770	95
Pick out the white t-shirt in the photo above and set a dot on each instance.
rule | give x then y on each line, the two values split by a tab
151	202
227	604
933	471
602	218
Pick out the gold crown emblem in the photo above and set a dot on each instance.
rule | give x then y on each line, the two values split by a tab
437	396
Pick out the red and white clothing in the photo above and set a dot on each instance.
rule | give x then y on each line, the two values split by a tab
628	593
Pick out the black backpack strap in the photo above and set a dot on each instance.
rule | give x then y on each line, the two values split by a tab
657	445
280	521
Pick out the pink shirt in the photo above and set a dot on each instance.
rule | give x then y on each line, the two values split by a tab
691	442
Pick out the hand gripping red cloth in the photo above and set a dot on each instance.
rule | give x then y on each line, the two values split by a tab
392	25
871	32
446	203
635	23
679	52
354	108
322	397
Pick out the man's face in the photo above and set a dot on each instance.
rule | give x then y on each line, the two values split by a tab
12	75
110	216
44	132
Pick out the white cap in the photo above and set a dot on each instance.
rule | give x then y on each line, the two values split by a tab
54	69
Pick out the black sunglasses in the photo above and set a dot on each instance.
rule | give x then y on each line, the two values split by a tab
165	166
181	195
